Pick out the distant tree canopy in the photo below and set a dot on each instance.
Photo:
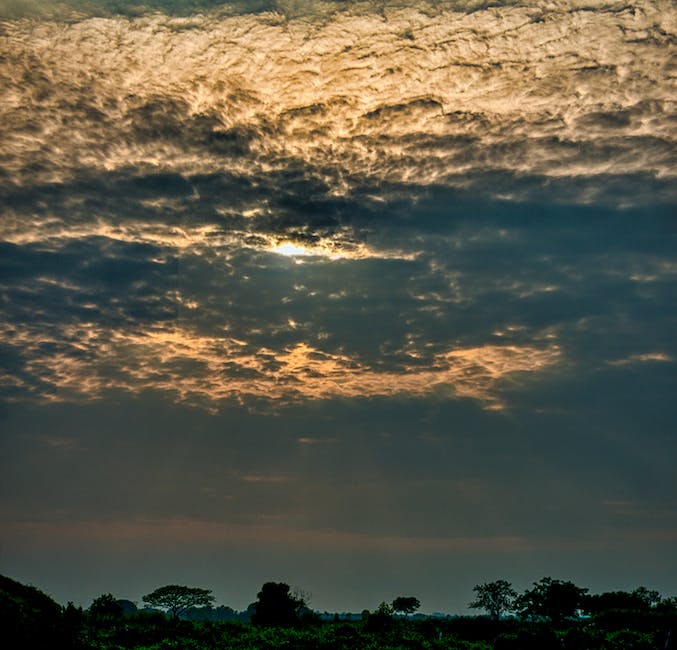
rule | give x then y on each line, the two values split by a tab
553	600
406	604
176	599
650	597
127	606
639	600
619	620
496	598
277	606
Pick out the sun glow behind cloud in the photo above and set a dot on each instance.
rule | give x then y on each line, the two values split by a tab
293	250
349	117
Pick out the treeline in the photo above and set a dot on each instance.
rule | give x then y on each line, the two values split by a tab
551	615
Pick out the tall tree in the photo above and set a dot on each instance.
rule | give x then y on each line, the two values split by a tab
276	606
176	599
496	598
650	597
406	604
105	608
554	600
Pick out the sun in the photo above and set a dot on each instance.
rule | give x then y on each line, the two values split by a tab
292	250
321	249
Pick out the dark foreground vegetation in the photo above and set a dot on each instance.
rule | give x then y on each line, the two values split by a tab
552	615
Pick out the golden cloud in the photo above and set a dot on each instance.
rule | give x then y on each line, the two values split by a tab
207	370
406	94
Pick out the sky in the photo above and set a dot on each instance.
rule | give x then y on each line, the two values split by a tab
372	298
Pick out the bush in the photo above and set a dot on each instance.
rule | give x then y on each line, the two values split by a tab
529	639
628	640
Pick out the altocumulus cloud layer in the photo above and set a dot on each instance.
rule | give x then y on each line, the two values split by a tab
420	257
155	167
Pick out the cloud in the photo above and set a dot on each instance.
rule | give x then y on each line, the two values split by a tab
643	358
191	212
401	96
89	362
441	302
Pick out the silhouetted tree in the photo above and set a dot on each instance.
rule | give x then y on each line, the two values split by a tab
276	606
29	618
176	599
495	597
554	600
610	601
406	604
248	614
381	619
302	595
73	622
649	597
105	608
